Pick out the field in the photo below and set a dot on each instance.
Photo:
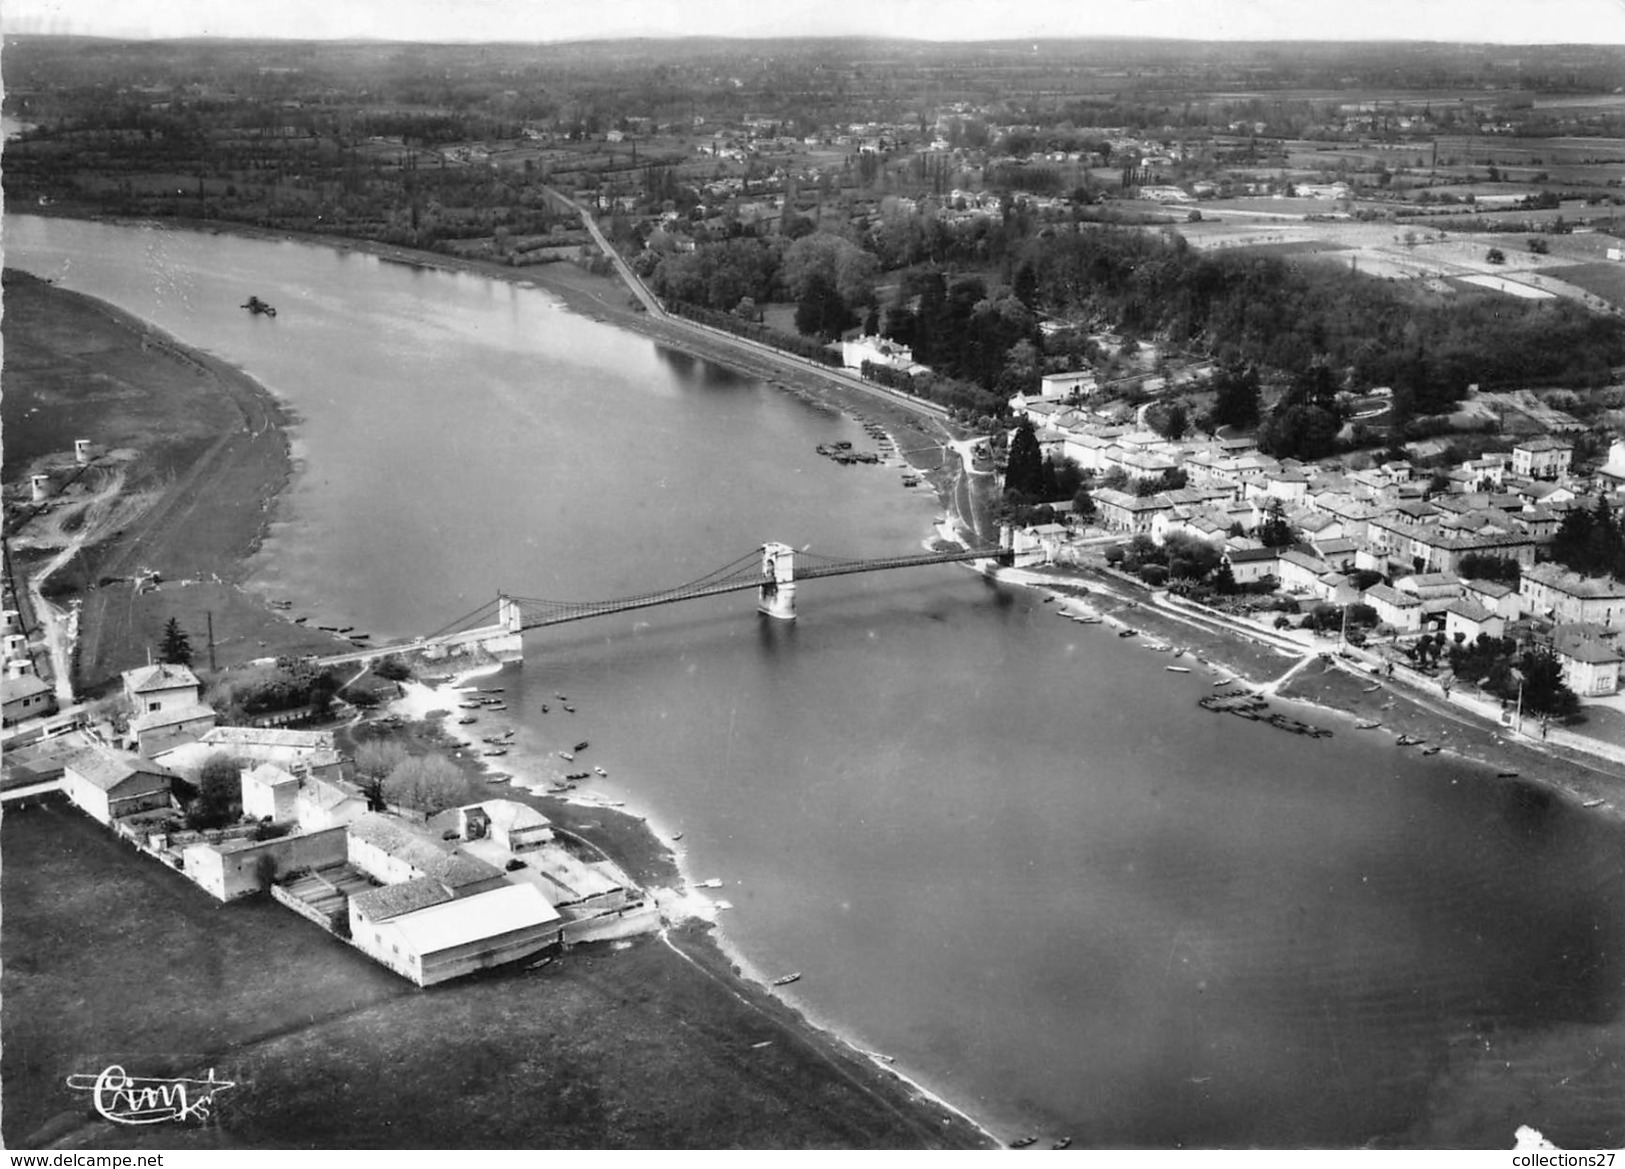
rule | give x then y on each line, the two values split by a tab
1606	279
111	958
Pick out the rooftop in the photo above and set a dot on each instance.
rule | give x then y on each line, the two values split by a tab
485	915
162	676
106	769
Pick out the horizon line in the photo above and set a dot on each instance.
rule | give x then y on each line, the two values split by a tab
617	38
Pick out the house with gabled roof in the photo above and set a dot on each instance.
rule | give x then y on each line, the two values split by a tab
26	696
1401	611
1550	590
159	730
1467	617
108	785
1590	662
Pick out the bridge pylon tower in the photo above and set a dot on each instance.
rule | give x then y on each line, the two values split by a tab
776	596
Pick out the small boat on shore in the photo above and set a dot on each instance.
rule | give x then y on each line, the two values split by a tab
497	706
494	752
709	883
1023	1142
466	719
1371	689
1367	726
1063	1143
600	771
1127	632
1506	775
570	709
1407	741
787	979
676	835
499	777
566	756
471	705
1433	750
1593	803
257	306
490	689
1177	669
1223	681
583	745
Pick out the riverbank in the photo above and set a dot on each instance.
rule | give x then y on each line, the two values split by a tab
654	859
1342	694
607	299
200	452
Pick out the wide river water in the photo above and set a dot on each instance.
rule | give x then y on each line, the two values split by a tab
1005	849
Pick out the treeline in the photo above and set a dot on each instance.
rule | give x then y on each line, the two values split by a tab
950	392
810	348
1264	311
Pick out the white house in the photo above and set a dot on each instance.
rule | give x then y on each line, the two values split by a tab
270	793
1544	457
327	803
1590	665
1550	590
160	687
1063	385
1401	611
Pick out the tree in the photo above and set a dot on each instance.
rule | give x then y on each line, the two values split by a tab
1224	579
176	648
1175	422
426	783
219	799
1024	471
820	311
1275	531
374	760
1083	505
1495	256
1236	401
1544	691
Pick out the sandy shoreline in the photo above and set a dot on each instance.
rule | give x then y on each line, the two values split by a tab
690	901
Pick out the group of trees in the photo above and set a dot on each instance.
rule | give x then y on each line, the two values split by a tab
390	776
1591	541
288	684
1533	677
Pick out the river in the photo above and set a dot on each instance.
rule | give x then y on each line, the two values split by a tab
1007	850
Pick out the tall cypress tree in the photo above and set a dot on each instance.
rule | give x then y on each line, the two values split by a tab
1024	473
177	647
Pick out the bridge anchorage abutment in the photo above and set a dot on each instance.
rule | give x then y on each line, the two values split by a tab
776	596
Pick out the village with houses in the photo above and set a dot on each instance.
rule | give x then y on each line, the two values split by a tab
430	897
1406	552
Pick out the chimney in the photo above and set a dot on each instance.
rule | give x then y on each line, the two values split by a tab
81	451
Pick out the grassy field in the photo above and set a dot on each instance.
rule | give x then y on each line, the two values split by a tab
199	437
1606	279
111	958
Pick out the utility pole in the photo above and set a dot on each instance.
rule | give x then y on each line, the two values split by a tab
210	614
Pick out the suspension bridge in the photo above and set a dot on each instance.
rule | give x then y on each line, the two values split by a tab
773	570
